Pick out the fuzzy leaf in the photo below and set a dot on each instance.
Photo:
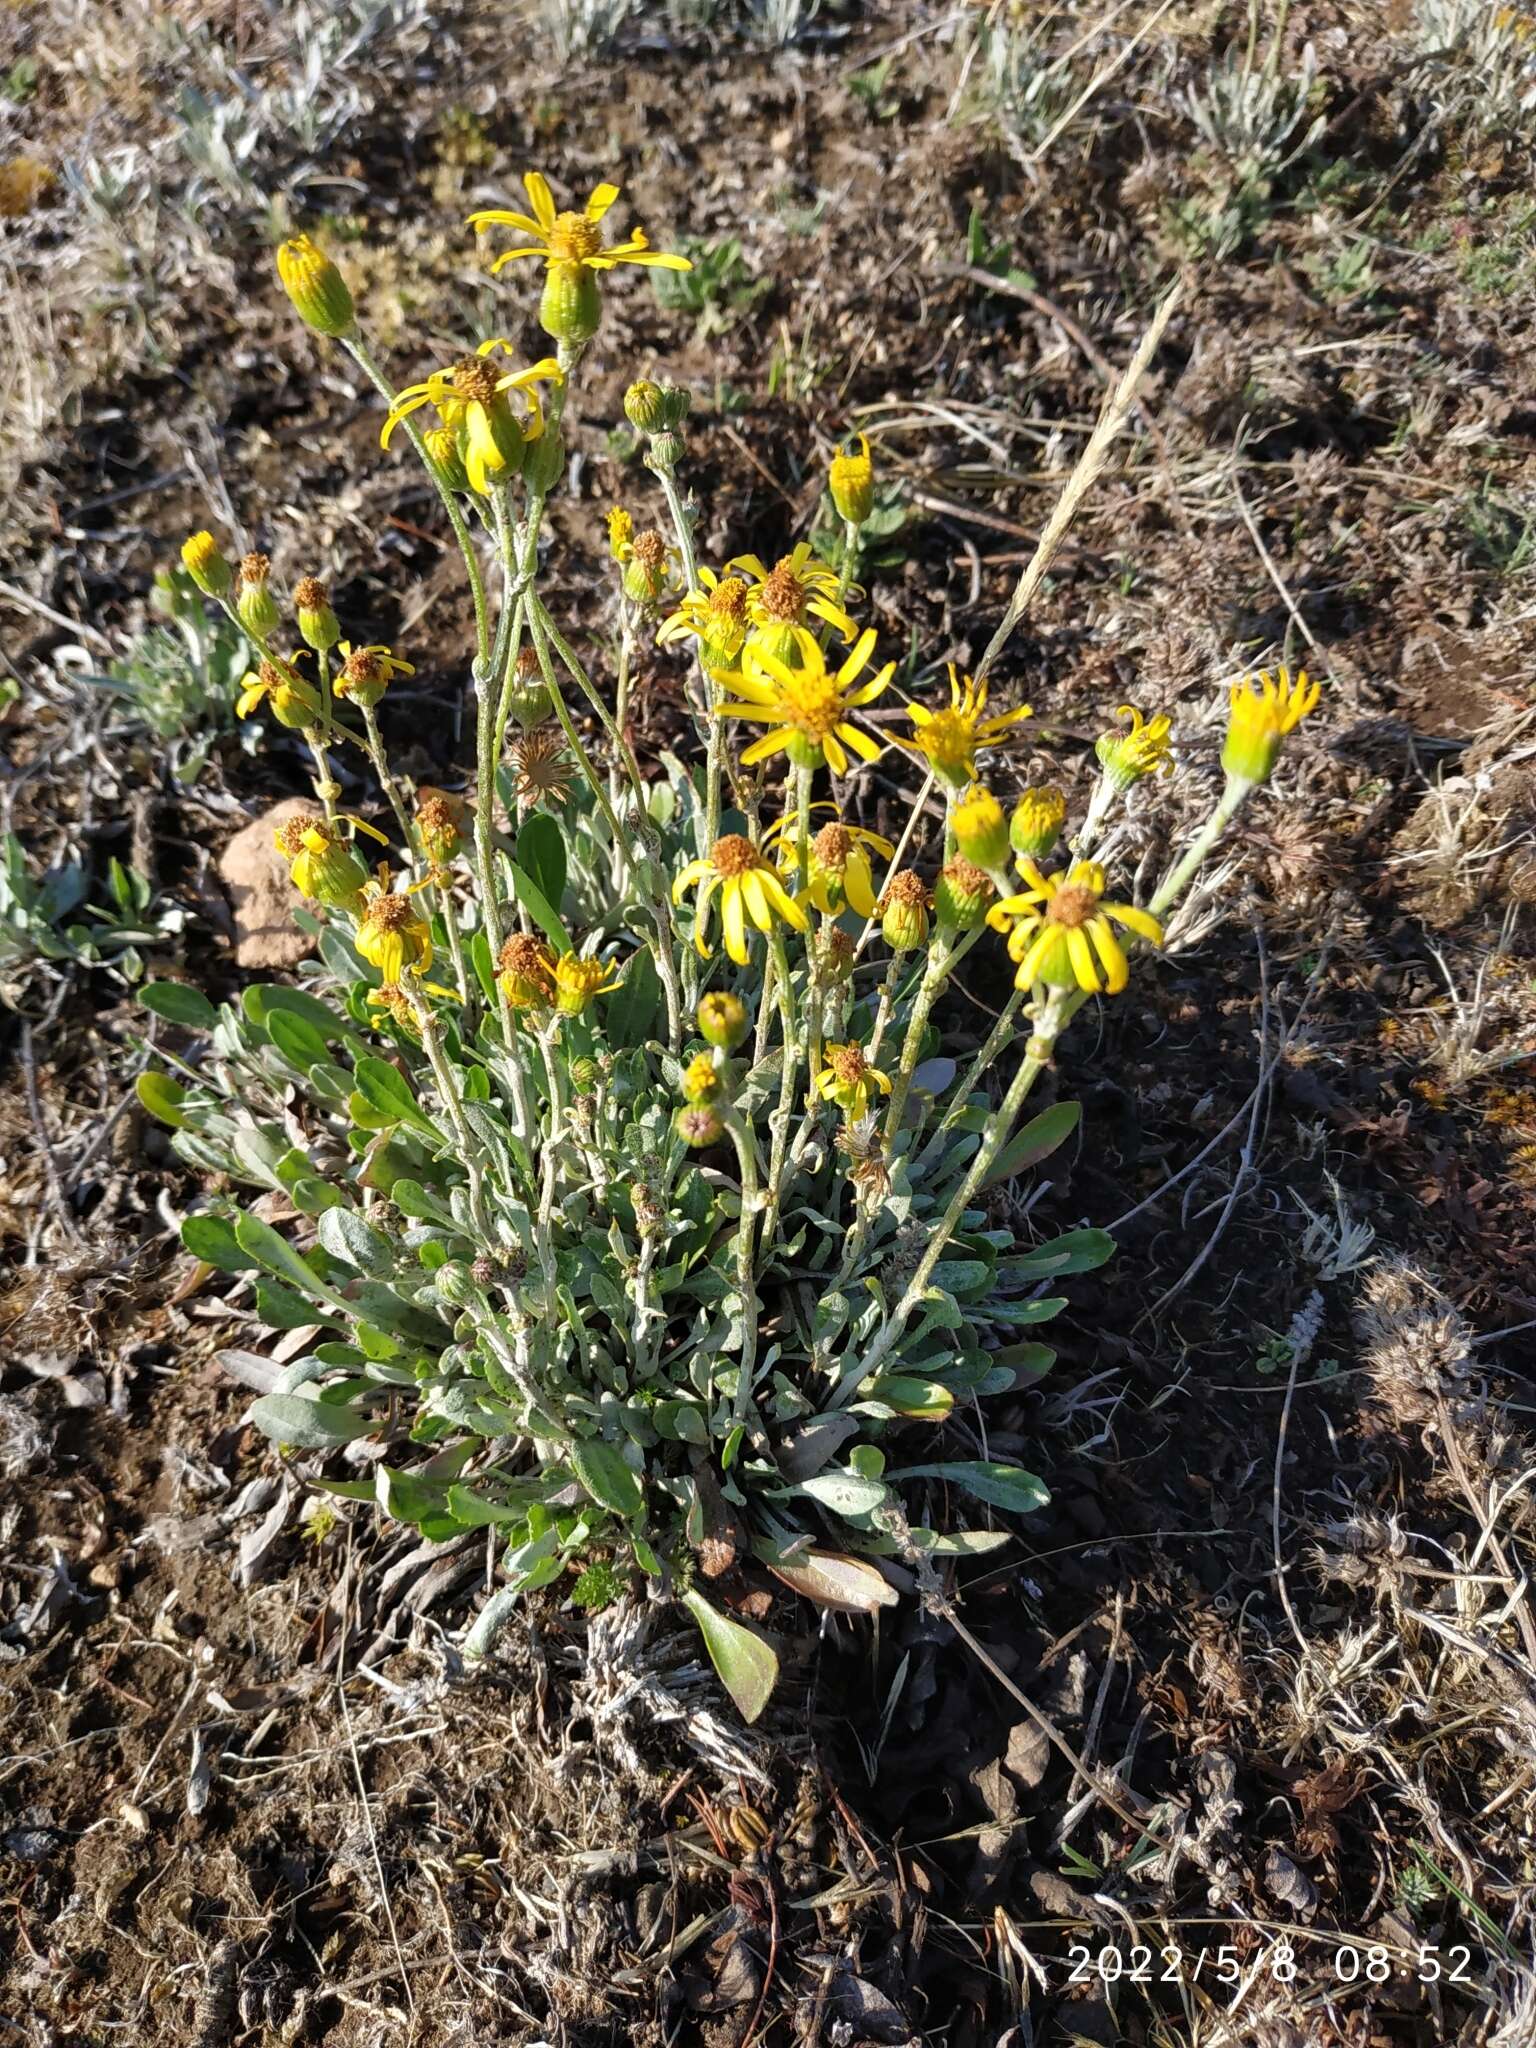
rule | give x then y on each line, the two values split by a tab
308	1425
278	1256
541	856
1038	1140
539	908
179	1003
1001	1486
747	1666
607	1478
1078	1251
212	1239
922	1400
844	1493
347	1237
389	1095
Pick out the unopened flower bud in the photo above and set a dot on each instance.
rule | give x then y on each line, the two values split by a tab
723	1021
585	1074
904	912
316	287
443	447
206	566
642	406
981	830
962	895
698	1125
645	571
254	602
1038	817
834	955
571	306
667	449
851	479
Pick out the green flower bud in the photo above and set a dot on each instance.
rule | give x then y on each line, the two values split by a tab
904	912
981	830
723	1021
544	462
254	602
318	625
316	287
208	569
962	896
642	406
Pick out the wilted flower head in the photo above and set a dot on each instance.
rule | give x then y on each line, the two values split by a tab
715	615
1259	720
904	911
1127	756
542	771
526	974
847	1079
367	672
393	936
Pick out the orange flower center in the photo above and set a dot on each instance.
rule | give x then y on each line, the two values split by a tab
728	600
290	834
388	914
1072	906
311	595
650	550
832	846
783	595
255	568
734	855
573	238
907	889
475	380
847	1062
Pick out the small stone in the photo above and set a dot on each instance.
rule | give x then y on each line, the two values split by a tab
263	897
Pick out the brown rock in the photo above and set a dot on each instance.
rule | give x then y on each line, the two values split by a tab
263	898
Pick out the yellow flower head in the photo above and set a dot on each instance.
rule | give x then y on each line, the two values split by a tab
393	936
1259	720
1126	757
750	893
1061	921
840	875
806	706
951	738
847	1079
722	1020
851	480
621	531
904	905
715	615
578	980
571	238
980	828
367	672
702	1080
293	701
1037	820
527	967
648	563
323	862
784	601
471	398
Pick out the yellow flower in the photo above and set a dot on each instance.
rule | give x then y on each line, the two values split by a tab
294	703
951	738
1260	719
851	480
621	531
783	600
574	238
204	562
527	971
1053	922
904	905
847	1078
471	398
323	863
715	615
393	936
750	891
1127	756
367	672
840	873
1037	820
722	1020
702	1080
807	705
578	980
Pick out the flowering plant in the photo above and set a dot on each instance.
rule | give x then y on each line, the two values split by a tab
609	1144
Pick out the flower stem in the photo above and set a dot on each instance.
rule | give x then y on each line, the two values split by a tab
1233	797
746	1278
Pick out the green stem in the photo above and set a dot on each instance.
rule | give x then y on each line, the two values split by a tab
872	922
996	1039
453	1103
746	1278
380	762
940	960
1233	797
326	786
708	828
1061	1007
461	533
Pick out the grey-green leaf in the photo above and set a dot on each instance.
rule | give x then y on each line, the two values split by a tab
746	1665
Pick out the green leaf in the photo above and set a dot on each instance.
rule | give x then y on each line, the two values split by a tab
541	856
922	1400
265	1000
745	1664
296	1040
388	1094
161	1096
308	1425
1078	1251
844	1493
212	1239
484	966
539	908
1038	1140
966	1279
346	1236
179	1003
1000	1486
630	1016
607	1478
278	1256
